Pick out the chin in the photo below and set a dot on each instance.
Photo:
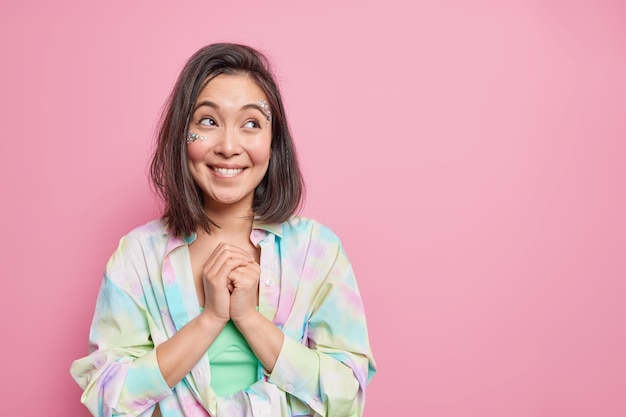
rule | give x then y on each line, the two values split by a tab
231	200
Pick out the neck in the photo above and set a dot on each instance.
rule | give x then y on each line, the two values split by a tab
232	220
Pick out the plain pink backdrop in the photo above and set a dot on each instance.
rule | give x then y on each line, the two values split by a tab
471	156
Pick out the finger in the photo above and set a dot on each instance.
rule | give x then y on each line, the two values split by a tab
246	280
230	249
217	259
252	269
221	273
225	259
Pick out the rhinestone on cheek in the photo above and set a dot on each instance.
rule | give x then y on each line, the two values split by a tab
192	137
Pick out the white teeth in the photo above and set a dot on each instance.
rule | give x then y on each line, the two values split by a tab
227	171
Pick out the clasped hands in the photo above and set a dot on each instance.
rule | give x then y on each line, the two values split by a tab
231	281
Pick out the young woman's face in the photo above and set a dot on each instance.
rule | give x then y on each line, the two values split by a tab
230	135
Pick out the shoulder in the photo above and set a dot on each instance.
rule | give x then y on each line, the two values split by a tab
310	237
145	238
301	227
153	229
315	250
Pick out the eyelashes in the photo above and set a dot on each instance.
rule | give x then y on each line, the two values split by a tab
252	124
207	121
249	124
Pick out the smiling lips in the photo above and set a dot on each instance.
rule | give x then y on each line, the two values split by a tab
227	172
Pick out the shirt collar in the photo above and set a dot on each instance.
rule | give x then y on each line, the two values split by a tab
176	241
260	232
273	228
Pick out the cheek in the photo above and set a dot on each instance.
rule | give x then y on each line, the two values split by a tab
261	157
195	152
260	153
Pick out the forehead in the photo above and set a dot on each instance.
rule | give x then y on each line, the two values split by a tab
235	89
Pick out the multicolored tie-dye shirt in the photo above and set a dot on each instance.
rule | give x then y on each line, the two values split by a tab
307	288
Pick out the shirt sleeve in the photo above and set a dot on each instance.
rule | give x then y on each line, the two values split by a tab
329	371
121	375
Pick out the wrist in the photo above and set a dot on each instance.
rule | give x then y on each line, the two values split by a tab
208	320
246	320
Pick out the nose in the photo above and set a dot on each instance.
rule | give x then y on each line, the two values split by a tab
228	144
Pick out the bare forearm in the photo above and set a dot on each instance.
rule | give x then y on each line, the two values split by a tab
179	354
265	339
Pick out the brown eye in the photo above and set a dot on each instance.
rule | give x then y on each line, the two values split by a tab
251	124
207	121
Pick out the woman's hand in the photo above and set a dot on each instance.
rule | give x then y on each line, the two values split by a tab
217	282
244	297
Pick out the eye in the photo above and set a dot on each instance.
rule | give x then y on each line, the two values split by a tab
207	121
252	124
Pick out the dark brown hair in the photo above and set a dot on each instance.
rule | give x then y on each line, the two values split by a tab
276	198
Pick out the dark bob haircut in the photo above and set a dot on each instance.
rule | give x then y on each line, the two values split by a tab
279	195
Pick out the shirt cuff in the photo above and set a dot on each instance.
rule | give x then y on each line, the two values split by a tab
296	370
144	382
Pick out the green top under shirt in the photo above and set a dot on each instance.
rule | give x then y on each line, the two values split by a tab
234	365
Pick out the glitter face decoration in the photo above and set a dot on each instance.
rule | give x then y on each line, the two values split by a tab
266	110
192	137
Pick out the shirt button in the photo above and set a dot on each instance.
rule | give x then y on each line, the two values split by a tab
268	282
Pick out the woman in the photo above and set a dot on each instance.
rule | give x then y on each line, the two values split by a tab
228	305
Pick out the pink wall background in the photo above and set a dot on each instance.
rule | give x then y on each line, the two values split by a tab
471	155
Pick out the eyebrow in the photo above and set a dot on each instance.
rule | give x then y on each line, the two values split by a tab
216	106
253	106
206	103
